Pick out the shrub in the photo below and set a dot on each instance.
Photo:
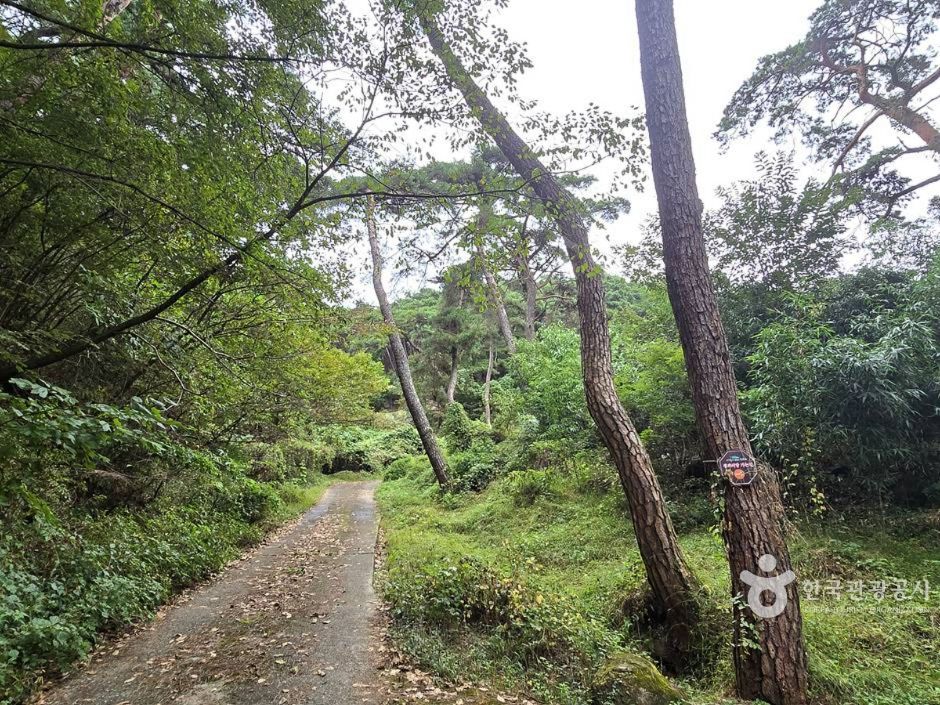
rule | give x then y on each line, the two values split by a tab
68	572
859	406
693	511
533	627
545	453
456	428
304	458
547	372
360	449
526	486
594	474
408	466
256	501
267	462
473	469
655	391
61	584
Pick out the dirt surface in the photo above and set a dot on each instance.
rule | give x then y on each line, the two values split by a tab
290	624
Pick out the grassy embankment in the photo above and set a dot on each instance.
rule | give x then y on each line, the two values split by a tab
533	582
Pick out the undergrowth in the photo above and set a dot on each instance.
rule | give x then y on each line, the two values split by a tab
78	559
535	581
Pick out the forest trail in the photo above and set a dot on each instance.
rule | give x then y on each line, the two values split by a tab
291	623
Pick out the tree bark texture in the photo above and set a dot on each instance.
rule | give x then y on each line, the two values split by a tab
400	357
673	588
775	670
490	365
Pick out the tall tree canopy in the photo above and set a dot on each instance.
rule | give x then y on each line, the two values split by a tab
863	64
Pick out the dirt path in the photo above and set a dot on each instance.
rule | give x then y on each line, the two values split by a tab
291	624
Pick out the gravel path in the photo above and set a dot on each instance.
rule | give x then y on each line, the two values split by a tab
290	624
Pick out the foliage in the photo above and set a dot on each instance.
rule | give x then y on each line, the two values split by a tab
776	231
411	466
548	373
178	182
362	449
111	508
474	468
860	405
651	380
876	58
456	428
465	577
527	486
67	573
49	417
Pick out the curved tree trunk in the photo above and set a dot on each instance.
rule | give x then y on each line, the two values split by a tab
490	364
753	523
400	357
673	587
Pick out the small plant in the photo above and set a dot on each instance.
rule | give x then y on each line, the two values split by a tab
527	486
407	466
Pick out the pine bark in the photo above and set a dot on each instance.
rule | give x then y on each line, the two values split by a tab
673	588
400	358
776	670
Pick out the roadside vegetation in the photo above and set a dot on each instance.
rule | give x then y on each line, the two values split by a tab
536	584
80	562
189	194
527	574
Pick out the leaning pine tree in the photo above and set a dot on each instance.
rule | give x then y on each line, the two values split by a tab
400	357
769	655
673	587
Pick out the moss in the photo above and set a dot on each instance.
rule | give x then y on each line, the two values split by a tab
631	679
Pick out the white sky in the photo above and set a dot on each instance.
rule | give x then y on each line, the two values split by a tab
587	51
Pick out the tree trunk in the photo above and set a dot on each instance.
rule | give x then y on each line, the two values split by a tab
400	357
753	523
502	318
491	363
674	589
452	380
531	293
492	287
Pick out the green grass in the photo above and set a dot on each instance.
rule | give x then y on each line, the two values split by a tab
573	549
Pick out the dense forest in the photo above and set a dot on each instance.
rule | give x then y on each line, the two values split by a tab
548	385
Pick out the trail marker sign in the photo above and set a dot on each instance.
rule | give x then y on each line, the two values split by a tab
739	467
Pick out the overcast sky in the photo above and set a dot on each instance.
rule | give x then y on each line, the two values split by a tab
587	51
